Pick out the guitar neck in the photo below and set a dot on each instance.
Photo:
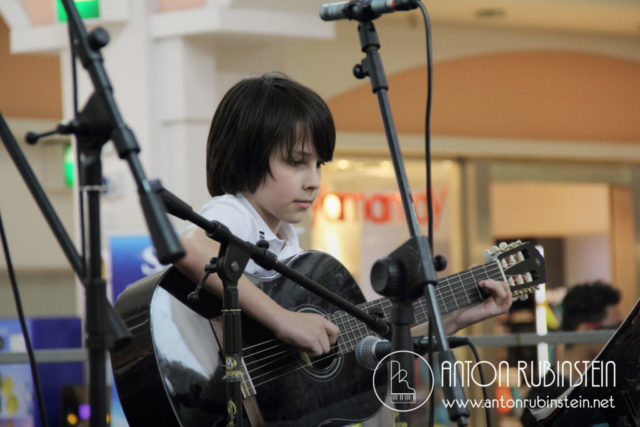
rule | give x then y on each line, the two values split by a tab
452	293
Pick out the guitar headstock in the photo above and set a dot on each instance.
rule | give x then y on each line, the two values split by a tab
522	265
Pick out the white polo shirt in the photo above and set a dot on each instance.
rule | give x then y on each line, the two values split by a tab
237	214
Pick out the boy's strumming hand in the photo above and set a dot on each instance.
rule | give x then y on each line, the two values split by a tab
310	332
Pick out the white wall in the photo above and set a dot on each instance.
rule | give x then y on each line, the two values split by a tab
587	258
167	87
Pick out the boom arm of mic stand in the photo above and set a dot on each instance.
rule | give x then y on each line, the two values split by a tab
265	259
87	48
120	334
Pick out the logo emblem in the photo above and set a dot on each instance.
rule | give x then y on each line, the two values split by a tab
398	384
231	363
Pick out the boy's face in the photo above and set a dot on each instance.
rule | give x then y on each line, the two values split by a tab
292	187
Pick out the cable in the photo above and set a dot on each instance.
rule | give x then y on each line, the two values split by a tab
484	389
23	324
427	149
427	121
74	85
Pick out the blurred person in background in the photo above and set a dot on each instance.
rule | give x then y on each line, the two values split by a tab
586	307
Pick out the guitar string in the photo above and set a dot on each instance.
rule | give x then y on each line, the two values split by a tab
359	326
421	302
418	304
292	350
288	372
372	303
328	356
284	367
348	343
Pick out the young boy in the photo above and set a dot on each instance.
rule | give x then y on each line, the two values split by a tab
268	140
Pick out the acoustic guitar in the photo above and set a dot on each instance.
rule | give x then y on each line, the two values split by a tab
173	373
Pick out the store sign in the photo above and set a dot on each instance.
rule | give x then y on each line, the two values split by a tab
132	258
379	208
86	9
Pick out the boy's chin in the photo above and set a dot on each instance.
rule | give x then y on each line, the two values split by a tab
296	218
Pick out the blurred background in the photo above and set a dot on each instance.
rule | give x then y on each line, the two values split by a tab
535	136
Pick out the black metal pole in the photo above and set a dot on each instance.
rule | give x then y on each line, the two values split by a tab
414	284
96	341
232	261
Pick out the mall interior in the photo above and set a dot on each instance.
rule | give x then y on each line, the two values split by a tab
535	137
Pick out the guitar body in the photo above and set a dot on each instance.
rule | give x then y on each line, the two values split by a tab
173	373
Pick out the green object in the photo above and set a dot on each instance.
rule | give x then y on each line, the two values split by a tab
86	8
69	163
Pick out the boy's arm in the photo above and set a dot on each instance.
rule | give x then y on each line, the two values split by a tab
310	332
498	303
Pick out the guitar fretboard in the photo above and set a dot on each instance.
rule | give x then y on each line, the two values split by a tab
452	293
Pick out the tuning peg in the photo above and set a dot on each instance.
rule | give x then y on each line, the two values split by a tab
524	297
486	254
494	249
503	245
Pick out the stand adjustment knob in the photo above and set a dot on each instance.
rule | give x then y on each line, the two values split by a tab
359	72
194	296
439	263
98	38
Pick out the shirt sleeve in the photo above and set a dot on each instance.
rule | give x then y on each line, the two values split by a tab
237	221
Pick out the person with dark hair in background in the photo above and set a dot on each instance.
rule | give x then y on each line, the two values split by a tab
585	307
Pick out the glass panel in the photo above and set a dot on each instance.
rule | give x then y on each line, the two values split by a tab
359	218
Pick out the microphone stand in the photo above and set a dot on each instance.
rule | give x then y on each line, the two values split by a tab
99	121
409	271
232	259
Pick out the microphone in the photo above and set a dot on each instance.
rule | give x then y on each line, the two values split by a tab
372	350
358	9
172	204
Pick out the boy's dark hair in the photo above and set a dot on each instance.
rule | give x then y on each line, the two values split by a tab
255	117
587	302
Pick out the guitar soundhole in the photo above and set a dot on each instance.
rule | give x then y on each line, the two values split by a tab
325	367
323	362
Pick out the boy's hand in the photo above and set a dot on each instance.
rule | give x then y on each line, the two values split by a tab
498	303
310	332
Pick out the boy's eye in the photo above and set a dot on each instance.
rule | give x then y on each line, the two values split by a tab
295	162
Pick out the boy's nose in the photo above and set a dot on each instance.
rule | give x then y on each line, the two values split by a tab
312	179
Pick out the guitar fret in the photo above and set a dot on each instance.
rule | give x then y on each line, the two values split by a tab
439	297
351	330
464	289
425	313
475	283
451	290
